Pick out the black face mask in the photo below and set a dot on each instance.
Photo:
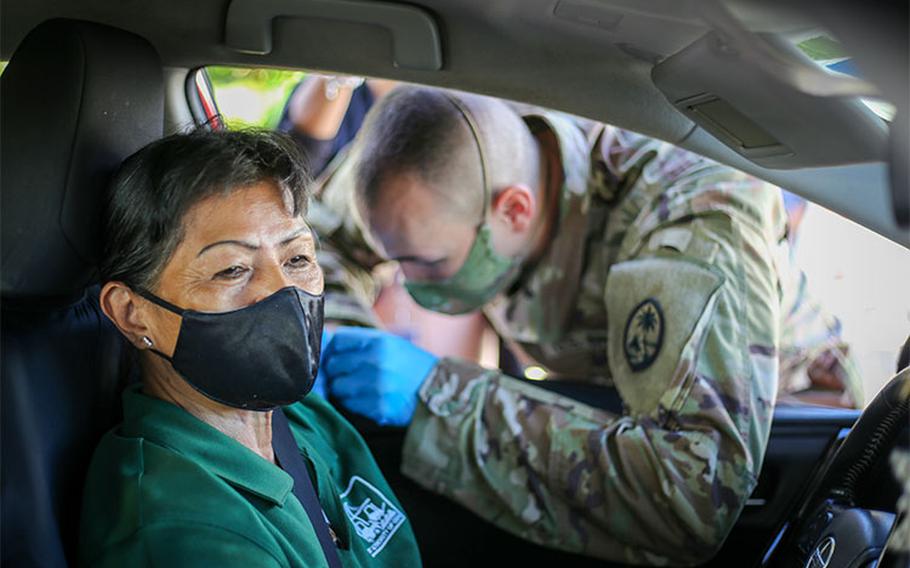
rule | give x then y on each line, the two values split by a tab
256	358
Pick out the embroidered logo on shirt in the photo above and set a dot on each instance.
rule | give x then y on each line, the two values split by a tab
374	517
644	335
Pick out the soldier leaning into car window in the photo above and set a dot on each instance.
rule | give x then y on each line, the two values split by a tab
222	459
604	256
323	115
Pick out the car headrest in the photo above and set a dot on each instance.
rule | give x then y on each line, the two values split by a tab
75	100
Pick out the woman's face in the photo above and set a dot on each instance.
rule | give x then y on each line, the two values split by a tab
236	250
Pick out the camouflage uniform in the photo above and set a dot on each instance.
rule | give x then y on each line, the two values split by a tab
347	260
661	281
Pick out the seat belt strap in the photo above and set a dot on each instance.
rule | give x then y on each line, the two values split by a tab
290	460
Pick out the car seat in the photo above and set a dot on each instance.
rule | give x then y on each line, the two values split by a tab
75	100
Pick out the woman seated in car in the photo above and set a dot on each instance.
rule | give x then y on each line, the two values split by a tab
222	459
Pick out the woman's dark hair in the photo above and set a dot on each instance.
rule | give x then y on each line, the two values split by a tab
155	187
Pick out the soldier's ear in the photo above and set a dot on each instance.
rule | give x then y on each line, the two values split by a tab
515	205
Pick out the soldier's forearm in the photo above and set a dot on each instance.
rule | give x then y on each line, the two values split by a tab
566	475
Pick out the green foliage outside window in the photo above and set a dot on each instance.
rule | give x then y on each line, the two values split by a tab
252	97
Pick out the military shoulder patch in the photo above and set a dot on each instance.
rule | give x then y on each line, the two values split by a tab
644	335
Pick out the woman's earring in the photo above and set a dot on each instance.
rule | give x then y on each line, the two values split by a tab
147	341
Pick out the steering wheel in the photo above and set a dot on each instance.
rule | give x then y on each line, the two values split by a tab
831	528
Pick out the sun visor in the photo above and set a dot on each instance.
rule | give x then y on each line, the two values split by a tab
771	104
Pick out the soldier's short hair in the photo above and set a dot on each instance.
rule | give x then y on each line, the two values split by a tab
416	130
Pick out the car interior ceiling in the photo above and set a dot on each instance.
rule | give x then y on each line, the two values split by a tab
55	341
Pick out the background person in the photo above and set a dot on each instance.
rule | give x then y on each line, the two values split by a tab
324	113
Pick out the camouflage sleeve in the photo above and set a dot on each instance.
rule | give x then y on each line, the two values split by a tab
350	289
807	331
346	258
692	349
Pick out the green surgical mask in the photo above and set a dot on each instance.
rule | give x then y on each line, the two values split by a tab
485	272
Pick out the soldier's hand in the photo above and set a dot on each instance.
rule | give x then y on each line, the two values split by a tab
376	374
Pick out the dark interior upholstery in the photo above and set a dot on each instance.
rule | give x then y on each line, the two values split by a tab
75	100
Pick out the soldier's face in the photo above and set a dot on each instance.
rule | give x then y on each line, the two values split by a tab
410	225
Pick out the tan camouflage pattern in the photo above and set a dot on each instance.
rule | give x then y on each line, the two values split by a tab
346	258
664	482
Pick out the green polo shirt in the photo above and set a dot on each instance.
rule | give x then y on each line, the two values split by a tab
166	489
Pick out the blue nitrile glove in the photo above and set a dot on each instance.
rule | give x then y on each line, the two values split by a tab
319	383
376	374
